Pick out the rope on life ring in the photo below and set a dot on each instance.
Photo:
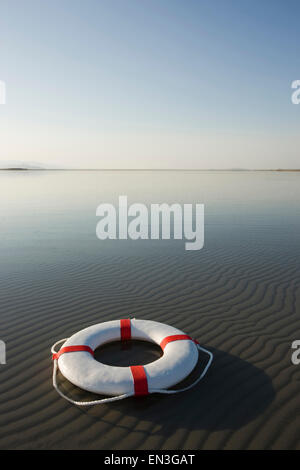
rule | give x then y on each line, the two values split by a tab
125	395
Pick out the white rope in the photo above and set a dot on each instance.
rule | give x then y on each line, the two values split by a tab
211	356
80	403
125	395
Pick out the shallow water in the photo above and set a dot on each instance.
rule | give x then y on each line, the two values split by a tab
239	296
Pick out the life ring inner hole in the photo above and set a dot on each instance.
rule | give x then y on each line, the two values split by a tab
128	353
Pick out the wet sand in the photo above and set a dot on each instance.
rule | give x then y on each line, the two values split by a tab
239	296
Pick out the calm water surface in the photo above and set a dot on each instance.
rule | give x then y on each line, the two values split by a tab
239	296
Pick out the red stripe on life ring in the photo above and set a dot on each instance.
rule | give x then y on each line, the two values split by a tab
125	327
140	380
169	339
67	349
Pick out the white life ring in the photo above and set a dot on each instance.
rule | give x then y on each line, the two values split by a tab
76	362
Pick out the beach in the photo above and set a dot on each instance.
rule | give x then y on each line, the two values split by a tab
239	296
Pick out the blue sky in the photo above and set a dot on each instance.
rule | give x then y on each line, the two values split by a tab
150	84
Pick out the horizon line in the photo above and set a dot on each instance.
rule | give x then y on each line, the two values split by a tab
150	169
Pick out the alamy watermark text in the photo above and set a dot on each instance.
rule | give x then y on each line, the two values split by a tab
296	354
163	222
2	352
2	92
296	93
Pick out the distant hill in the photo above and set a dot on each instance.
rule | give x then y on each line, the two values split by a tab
19	165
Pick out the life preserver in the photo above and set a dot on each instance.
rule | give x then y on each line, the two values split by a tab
76	362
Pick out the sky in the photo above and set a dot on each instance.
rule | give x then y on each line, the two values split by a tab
190	84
